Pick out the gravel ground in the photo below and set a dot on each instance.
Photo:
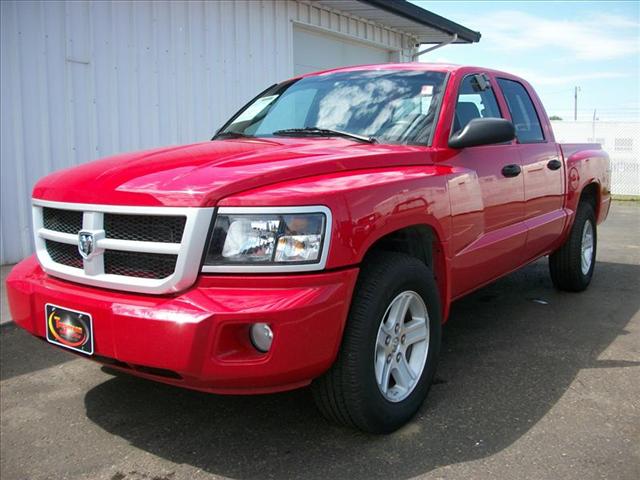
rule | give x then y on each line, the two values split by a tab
533	383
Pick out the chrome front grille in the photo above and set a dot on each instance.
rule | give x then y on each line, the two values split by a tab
67	221
142	265
64	253
145	228
141	249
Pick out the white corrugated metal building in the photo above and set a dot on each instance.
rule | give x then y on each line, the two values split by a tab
82	80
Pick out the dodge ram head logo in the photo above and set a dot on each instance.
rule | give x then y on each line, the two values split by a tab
86	244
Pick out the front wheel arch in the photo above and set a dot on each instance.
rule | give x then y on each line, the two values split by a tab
349	393
423	242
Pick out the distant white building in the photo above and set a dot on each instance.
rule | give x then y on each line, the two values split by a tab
83	80
621	140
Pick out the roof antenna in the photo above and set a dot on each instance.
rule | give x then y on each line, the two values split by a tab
440	45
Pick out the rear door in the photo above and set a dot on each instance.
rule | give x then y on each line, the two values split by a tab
542	168
487	193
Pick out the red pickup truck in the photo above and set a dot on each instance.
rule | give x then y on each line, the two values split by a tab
319	238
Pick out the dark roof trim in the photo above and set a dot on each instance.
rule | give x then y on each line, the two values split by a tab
425	17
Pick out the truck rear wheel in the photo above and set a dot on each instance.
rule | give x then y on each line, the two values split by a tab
389	350
572	265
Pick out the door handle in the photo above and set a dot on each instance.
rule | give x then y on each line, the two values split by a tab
511	170
554	164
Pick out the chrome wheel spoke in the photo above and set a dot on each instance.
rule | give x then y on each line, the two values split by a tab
586	247
415	331
397	373
399	310
403	375
385	376
384	338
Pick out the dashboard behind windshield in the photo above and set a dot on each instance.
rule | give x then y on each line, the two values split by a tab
390	106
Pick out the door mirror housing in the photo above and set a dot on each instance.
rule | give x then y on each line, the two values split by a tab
483	131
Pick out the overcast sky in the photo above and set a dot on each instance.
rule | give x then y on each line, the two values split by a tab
556	46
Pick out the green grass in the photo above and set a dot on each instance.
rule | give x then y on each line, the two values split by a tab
626	198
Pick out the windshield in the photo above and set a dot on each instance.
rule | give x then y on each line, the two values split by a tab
388	106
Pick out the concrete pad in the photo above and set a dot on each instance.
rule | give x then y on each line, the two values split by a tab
533	384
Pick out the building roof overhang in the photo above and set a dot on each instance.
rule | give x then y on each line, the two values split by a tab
425	26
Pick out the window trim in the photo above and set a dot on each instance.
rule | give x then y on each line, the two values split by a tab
246	105
437	112
453	118
535	109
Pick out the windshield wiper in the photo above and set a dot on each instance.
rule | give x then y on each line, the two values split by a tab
323	132
230	134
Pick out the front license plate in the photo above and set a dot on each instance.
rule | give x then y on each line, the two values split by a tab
69	328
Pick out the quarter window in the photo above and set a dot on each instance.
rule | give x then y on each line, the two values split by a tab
475	100
523	113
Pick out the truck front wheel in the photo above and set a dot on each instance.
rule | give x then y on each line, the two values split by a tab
389	350
571	266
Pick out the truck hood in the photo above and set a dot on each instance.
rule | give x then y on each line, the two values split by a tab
203	173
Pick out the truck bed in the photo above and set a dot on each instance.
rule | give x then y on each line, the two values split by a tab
569	149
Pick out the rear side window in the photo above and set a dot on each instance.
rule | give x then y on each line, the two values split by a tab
475	100
523	113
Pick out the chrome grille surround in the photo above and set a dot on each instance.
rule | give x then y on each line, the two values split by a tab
187	253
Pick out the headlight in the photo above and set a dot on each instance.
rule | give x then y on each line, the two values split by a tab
268	239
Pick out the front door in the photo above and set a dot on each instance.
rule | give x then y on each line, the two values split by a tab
487	197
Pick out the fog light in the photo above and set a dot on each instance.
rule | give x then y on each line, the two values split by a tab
261	336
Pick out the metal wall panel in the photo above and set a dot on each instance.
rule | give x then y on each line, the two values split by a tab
316	49
83	80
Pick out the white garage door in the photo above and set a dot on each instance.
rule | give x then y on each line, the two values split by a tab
313	50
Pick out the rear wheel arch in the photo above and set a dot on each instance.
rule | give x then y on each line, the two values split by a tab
591	194
572	265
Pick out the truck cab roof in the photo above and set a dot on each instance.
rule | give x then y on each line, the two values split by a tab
432	67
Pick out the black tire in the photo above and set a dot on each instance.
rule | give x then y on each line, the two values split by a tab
348	393
565	264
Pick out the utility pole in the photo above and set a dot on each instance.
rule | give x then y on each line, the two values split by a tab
575	103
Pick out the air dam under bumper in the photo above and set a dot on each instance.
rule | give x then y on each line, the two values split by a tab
202	334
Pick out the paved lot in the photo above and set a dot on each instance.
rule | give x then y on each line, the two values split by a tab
526	389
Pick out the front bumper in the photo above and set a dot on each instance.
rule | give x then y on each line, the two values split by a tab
199	338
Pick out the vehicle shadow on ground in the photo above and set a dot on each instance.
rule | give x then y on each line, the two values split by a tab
507	358
14	342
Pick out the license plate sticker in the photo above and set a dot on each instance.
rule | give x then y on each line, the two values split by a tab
69	328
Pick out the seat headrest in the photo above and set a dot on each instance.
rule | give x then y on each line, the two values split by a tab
465	112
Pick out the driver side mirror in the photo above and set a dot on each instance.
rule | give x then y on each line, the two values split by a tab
483	131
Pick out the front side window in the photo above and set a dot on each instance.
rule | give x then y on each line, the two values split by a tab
475	100
388	106
523	113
